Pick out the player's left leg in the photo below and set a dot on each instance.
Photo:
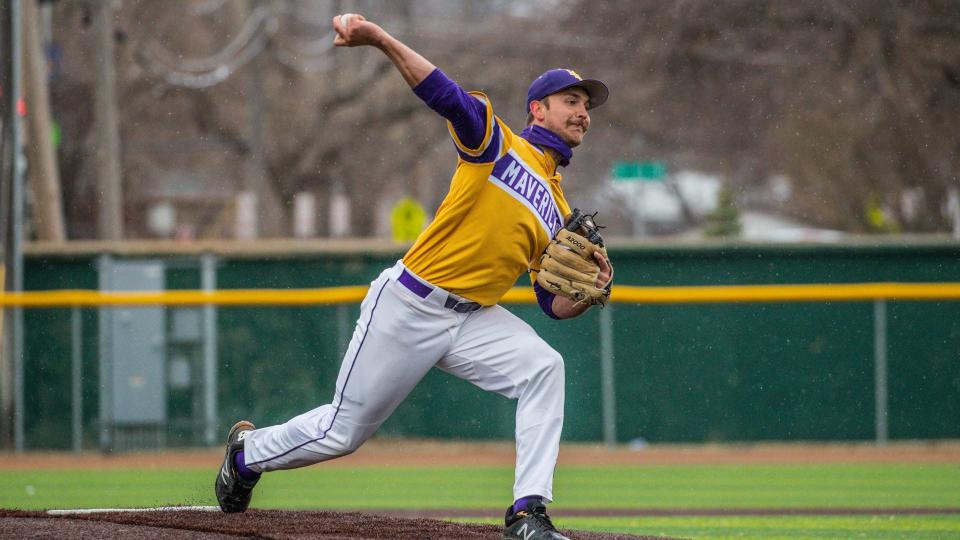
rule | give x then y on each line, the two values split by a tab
498	352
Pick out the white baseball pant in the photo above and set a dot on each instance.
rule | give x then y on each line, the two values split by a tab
405	329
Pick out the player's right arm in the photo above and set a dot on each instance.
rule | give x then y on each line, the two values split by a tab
359	32
471	120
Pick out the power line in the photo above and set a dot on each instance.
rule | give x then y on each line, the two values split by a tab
258	30
216	68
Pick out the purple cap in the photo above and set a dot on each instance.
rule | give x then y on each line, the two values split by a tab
556	80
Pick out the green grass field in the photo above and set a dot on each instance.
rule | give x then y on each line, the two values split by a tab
937	527
677	486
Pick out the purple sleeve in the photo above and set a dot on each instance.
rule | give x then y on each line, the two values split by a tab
467	114
545	299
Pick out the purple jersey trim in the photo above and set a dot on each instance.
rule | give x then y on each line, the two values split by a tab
492	151
467	114
545	299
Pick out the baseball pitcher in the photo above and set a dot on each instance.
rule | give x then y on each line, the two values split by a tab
505	214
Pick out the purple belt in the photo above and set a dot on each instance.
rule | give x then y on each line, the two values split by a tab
421	289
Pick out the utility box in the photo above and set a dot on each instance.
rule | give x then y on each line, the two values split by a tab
133	371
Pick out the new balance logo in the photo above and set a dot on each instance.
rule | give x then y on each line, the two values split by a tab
526	531
242	435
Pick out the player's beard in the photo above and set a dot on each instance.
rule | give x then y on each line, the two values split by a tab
570	140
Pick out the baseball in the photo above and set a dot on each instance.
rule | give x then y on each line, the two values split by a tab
345	20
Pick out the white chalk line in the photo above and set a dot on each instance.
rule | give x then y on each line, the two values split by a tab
73	511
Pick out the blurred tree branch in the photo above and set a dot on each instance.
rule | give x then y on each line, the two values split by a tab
853	101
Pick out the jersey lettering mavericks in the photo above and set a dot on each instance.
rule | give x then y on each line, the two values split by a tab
504	206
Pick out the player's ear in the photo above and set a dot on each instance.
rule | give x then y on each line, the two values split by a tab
537	110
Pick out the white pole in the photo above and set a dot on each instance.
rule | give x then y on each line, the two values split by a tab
76	377
880	370
105	313
16	91
208	278
953	210
607	378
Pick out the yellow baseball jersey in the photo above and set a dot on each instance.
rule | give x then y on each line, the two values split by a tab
504	206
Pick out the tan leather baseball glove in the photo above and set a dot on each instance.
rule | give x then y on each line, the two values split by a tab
568	267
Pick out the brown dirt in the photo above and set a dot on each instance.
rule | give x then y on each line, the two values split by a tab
390	453
278	524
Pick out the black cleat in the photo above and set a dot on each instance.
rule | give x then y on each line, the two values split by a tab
532	523
233	492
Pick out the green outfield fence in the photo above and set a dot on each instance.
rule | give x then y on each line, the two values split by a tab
838	342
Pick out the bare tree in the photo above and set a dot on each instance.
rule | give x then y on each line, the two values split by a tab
853	101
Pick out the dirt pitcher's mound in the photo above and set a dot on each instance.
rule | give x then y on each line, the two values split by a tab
279	524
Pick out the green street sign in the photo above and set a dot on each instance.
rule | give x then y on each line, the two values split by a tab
626	171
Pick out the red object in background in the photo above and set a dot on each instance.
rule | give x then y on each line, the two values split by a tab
22	107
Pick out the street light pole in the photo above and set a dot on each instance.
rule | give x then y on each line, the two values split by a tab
16	217
110	212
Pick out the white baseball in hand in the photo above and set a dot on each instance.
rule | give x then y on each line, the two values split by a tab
345	20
